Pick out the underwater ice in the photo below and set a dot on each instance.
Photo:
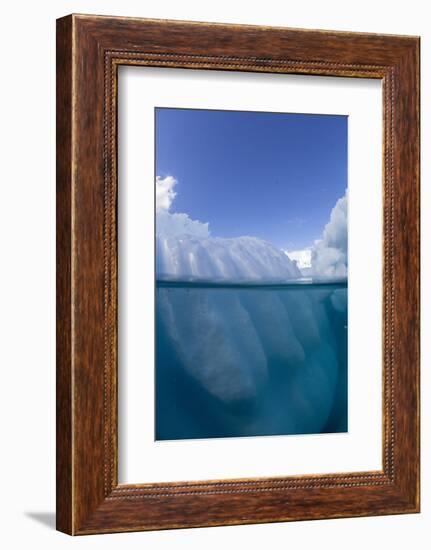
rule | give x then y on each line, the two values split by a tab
251	361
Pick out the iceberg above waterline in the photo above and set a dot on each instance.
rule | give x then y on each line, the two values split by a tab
210	258
186	250
187	257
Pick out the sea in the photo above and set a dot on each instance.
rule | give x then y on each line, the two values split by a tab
249	359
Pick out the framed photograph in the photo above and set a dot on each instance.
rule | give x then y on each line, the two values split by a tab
237	274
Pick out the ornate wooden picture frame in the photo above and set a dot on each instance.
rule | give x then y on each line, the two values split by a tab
89	51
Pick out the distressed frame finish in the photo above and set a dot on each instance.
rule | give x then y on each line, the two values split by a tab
89	51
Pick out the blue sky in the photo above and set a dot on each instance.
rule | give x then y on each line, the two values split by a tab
268	175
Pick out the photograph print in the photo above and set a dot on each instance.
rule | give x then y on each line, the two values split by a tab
251	268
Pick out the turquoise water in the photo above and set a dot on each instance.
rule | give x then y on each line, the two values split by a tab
250	360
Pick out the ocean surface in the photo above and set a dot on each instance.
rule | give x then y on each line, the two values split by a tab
235	360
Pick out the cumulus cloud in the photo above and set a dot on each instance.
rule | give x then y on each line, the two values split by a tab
178	224
165	193
329	254
169	224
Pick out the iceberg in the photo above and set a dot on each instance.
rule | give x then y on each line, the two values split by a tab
239	259
237	355
185	249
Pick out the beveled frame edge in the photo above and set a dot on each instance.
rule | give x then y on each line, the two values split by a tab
89	51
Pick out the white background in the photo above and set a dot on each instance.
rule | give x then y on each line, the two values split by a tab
27	233
141	458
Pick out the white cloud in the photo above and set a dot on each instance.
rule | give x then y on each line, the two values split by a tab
329	254
169	224
165	193
178	224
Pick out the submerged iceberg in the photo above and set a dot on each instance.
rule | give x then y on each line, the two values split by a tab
250	361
